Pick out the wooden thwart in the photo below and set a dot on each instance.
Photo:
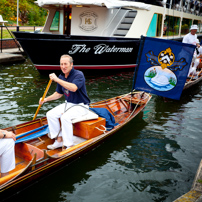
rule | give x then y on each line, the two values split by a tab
89	129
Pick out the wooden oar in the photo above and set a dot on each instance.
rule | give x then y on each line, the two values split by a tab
199	73
44	95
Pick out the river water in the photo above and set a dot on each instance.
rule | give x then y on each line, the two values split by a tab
154	158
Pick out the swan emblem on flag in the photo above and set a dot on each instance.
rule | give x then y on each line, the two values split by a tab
161	75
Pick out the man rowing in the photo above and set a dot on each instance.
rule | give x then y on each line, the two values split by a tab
71	84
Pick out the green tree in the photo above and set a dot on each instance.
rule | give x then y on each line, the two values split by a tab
29	12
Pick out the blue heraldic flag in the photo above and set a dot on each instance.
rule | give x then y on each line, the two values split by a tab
162	67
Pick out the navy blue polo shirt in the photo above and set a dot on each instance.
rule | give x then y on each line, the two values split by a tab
80	96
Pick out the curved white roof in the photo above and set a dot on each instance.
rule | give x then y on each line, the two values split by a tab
107	3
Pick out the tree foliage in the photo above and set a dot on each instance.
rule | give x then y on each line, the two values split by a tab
29	12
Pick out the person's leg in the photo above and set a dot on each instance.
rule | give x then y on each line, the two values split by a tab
196	63
53	116
67	127
7	159
67	131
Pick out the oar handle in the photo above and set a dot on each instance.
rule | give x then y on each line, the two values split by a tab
199	73
44	95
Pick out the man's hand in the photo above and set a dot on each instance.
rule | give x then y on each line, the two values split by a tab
53	77
9	135
41	102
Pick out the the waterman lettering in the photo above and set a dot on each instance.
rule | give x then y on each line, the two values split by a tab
99	49
103	48
81	48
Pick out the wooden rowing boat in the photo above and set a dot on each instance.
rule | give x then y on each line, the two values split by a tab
34	160
191	81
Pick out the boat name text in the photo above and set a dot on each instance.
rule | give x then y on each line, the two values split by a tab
99	49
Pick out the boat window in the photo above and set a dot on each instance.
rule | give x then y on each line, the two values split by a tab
197	22
171	26
200	26
186	24
159	25
55	23
155	26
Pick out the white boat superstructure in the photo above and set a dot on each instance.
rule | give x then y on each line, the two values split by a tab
114	18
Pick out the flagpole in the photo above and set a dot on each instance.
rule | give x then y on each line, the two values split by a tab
17	13
138	60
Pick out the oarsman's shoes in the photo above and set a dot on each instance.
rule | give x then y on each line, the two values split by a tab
55	145
66	147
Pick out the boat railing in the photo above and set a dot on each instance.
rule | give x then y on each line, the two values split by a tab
122	18
3	26
8	29
111	21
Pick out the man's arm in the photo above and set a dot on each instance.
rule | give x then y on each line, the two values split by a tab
54	96
7	134
67	85
185	39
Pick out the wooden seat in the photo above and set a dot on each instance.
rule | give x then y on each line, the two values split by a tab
27	151
24	154
89	129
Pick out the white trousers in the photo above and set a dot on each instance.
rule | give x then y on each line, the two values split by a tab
7	154
73	111
192	70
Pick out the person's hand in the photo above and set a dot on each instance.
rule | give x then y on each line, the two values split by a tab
53	77
200	56
10	135
197	45
41	102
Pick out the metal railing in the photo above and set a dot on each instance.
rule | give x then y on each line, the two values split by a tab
15	28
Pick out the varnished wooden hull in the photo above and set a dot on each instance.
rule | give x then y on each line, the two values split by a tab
192	82
124	108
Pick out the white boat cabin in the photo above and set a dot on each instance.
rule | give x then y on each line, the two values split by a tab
123	19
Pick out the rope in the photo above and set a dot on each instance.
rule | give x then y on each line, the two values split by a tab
137	104
115	100
101	129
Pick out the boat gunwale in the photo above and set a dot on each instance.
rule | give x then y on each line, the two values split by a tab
20	174
191	83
